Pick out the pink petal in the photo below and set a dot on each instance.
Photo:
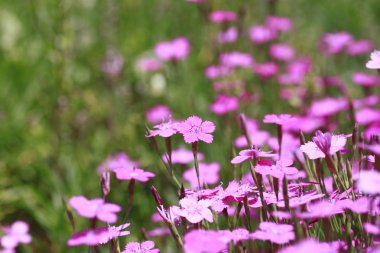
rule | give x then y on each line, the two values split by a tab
208	127
194	120
208	138
190	137
239	159
312	150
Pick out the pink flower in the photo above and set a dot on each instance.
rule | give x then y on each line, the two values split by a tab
165	129
359	47
236	59
260	34
279	23
228	36
374	62
113	64
367	116
282	52
174	50
213	72
208	173
281	119
204	241
222	16
158	114
224	104
279	170
366	80
296	71
371	228
301	199
194	130
183	156
265	70
276	233
310	246
117	161
144	247
324	144
333	43
15	235
369	182
193	210
322	209
161	231
250	154
97	236
135	173
328	106
148	64
95	208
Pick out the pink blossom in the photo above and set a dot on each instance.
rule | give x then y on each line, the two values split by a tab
236	191
281	119
95	208
282	52
182	156
221	16
204	241
265	70
169	216
372	130
371	228
161	231
15	235
250	154
290	145
158	114
208	173
144	247
279	170
322	209
301	199
374	62
279	23
97	236
296	71
328	106
165	129
236	59
369	182
116	161
374	148
194	130
366	80
260	34
224	104
134	173
310	246
228	36
194	210
367	116
148	64
258	138
213	72
113	64
333	43
176	50
276	233
359	47
324	144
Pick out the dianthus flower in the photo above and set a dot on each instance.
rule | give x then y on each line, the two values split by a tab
144	247
281	52
333	43
204	241
265	70
177	49
260	34
310	246
374	62
134	173
359	47
194	210
15	235
236	59
228	36
276	233
95	208
165	129
276	23
279	170
369	182
250	154
208	173
158	113
221	16
194	130
224	104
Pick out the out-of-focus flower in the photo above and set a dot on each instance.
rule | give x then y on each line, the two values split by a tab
367	116
276	23
95	208
251	154
15	235
371	228
359	47
282	52
208	173
369	182
281	119
134	173
228	36
204	241
147	64
165	129
194	210
97	236
221	16
158	114
260	34
305	198
193	130
162	231
333	43
174	50
279	170
276	233
328	106
224	104
374	62
183	156
366	80
113	64
296	71
324	144
322	209
117	161
144	247
236	59
310	246
213	72
265	70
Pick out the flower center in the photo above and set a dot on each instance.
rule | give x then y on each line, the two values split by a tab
196	129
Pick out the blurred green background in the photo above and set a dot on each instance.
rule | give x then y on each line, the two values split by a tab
60	116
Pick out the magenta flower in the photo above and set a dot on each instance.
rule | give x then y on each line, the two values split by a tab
144	247
182	156
117	161
98	235
359	47
221	16
135	173
328	106
228	36
281	52
279	170
158	114
310	246
281	119
174	50
236	59
279	23
333	43
367	116
296	71
224	104
15	235
95	208
366	80
204	241
260	34
213	72
193	210
194	130
208	173
265	70
301	200
148	64
324	144
159	232
322	209
374	62
250	154
165	129
369	182
276	233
